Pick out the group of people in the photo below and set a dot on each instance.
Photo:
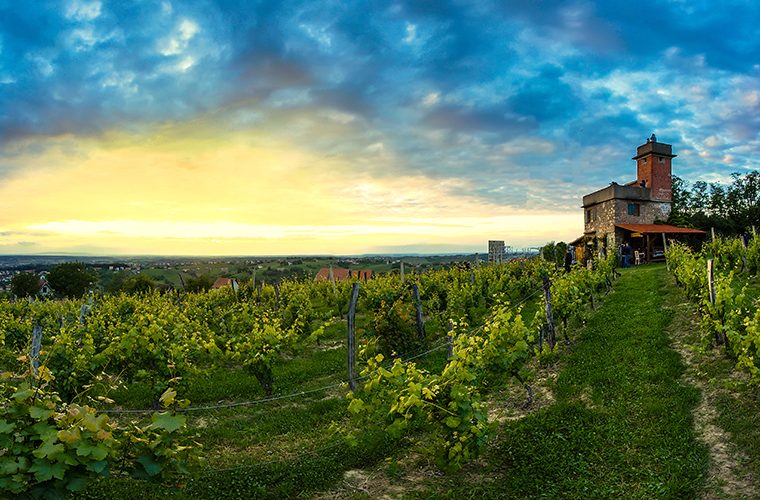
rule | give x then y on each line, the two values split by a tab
626	252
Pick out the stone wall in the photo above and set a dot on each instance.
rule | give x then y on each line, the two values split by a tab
608	213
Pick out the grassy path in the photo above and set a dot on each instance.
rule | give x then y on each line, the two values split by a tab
622	423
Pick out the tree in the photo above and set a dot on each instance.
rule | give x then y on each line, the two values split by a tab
200	284
71	279
139	284
25	284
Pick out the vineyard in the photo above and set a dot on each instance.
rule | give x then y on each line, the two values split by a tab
722	280
248	391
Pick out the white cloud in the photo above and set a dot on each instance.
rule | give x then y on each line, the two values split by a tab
81	10
431	99
177	43
411	33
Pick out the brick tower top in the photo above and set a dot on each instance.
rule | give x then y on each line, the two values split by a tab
653	166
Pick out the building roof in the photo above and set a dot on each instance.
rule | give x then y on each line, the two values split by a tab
222	282
658	229
341	274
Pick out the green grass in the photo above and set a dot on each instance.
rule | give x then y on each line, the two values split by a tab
621	425
736	402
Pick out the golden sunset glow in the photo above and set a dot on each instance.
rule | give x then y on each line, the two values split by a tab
180	195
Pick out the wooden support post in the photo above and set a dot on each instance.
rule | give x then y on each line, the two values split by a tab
550	331
744	253
253	280
593	300
472	277
711	280
712	232
665	250
402	272
277	295
754	233
450	341
711	292
352	337
36	346
418	307
332	280
83	314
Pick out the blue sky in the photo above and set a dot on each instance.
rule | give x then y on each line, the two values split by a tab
417	114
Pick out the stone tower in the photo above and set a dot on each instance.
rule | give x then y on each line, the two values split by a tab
653	165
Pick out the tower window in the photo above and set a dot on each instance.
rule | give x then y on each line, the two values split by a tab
588	216
634	209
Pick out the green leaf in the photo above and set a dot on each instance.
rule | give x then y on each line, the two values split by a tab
167	422
6	427
48	449
23	394
77	484
356	406
38	413
453	422
86	449
44	471
151	466
167	398
98	467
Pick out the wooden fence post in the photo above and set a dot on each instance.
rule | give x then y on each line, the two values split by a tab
450	341
352	337
472	277
332	280
754	233
712	232
551	336
418	307
744	253
36	346
711	293
402	272
277	295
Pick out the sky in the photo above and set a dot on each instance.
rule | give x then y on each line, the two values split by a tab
348	127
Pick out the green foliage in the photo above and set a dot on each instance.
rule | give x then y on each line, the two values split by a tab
730	319
71	279
202	283
394	324
25	285
729	208
141	283
49	448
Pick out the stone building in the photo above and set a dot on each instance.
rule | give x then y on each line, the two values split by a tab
496	251
635	212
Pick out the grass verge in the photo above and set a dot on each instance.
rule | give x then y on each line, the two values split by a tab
622	422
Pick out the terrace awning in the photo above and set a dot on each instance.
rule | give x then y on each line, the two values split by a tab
658	229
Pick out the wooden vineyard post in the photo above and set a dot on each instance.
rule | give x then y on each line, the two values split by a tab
332	280
711	293
402	272
550	333
754	233
352	337
277	295
36	346
472	277
593	300
450	341
418	307
744	253
665	250
711	280
712	232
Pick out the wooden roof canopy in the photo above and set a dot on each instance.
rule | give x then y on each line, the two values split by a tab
658	229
